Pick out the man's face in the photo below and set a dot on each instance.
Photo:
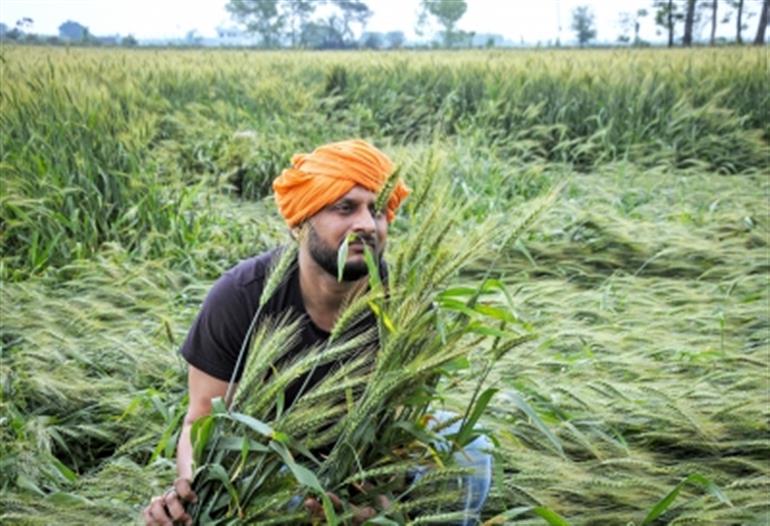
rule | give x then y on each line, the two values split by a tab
353	213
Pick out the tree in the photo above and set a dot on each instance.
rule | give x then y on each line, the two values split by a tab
712	38
667	14
129	41
259	17
583	24
18	32
24	23
372	40
14	34
740	22
629	22
297	14
738	5
73	31
641	13
688	23
323	34
352	11
626	24
395	39
447	13
763	19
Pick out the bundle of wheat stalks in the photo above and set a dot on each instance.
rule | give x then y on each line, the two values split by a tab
367	424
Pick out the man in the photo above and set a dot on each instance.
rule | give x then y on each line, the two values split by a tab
328	194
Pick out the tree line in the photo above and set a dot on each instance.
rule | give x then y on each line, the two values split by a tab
279	23
677	19
334	24
291	23
671	14
69	32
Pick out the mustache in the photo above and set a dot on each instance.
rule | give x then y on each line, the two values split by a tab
370	241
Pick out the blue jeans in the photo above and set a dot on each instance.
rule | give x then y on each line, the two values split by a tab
475	486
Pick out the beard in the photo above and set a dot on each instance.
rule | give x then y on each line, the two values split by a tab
326	257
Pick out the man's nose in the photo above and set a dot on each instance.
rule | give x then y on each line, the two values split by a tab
364	221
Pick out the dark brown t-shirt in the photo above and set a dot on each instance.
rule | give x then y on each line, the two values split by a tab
217	334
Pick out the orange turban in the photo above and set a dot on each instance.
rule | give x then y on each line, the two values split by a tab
316	180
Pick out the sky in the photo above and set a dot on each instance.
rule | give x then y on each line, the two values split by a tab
529	20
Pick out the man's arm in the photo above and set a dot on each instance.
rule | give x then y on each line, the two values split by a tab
203	388
170	507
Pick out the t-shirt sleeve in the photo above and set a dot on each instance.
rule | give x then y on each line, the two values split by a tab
217	334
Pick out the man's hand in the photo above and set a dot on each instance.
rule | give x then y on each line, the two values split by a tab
169	509
361	514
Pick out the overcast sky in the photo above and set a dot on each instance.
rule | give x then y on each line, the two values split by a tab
528	20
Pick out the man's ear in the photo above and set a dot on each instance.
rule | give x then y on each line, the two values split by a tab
300	231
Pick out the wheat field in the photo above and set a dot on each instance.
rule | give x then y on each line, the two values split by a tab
639	390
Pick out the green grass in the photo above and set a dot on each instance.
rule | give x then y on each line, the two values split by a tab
126	189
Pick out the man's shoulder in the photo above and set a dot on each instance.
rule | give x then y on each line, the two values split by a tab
252	271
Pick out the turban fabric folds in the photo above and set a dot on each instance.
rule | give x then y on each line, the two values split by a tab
318	179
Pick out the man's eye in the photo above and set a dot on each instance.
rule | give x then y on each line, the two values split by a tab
343	208
375	212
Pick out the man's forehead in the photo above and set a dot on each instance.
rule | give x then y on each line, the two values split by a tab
358	193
